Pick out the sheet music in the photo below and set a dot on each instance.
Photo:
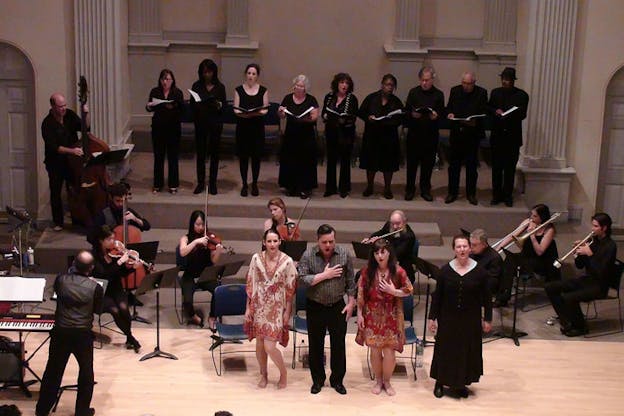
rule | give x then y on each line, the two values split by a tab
21	289
195	96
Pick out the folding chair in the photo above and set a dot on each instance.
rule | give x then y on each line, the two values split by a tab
230	300
612	294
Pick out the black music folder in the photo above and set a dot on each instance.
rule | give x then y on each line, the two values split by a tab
361	250
294	249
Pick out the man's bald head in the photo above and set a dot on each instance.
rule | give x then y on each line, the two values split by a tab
84	262
58	105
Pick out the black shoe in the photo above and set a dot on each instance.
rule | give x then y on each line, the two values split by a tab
304	195
368	191
438	390
196	320
576	332
212	188
291	192
339	387
450	198
426	196
218	341
509	202
244	190
133	344
329	193
472	200
463	392
495	201
133	300
388	193
409	195
199	188
344	194
254	189
316	388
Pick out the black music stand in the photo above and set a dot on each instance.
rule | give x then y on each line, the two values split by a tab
17	221
520	263
464	232
107	158
294	249
30	291
155	281
431	271
147	252
361	250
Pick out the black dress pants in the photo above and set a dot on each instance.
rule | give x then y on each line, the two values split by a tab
166	142
420	151
208	140
566	295
321	319
339	148
57	175
63	343
504	161
464	150
188	286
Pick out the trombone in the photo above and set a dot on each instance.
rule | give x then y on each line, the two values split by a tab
519	241
589	238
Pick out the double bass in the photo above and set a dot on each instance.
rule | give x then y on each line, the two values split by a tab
87	188
127	233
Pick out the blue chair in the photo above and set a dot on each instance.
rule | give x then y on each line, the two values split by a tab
410	336
299	323
230	300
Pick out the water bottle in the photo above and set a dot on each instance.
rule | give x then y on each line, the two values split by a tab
419	353
31	256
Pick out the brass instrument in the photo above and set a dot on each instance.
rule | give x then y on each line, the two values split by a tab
499	242
520	240
589	238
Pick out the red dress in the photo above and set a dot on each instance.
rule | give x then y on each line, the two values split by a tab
383	314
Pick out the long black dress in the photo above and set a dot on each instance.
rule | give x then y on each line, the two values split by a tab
250	131
380	143
298	153
456	304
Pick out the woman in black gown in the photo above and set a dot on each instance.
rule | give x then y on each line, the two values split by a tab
382	113
113	269
297	172
166	129
339	113
250	126
455	314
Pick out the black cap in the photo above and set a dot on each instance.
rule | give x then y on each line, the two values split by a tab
509	73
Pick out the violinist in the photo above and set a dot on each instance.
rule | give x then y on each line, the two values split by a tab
113	265
402	239
59	130
201	249
285	226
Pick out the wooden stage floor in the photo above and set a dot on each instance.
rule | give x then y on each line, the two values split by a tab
541	377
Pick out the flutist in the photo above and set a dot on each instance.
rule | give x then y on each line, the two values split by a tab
598	260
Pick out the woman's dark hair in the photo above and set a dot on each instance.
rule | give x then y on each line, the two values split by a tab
101	234
338	78
192	235
460	237
270	231
391	78
163	74
542	211
371	270
604	220
210	66
253	65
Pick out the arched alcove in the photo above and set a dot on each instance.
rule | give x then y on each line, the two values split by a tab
18	133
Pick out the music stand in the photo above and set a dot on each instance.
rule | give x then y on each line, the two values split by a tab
17	220
431	271
147	252
19	289
361	250
464	232
514	334
155	281
107	158
294	249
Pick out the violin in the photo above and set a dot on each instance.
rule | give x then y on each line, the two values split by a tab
120	249
290	231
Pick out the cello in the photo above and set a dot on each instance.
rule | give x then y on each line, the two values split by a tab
87	188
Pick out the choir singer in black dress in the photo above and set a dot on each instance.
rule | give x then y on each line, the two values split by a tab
455	317
166	101
382	113
339	113
251	104
297	172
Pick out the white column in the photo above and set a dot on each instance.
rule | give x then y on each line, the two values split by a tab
406	25
499	32
144	24
100	55
237	22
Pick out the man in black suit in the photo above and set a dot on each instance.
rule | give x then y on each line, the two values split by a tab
506	136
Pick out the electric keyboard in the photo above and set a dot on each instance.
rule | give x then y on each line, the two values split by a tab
41	322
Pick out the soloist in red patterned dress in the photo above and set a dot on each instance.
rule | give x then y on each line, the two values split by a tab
269	291
383	314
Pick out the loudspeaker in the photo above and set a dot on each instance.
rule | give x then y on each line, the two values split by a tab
10	362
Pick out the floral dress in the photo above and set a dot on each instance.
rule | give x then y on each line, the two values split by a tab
383	314
269	292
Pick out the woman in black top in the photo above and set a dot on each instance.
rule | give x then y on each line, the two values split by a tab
339	112
208	123
297	172
113	269
194	248
382	113
165	101
250	125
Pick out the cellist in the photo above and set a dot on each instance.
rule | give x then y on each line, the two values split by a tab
60	133
279	221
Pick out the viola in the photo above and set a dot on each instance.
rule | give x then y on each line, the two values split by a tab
289	231
120	249
214	240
